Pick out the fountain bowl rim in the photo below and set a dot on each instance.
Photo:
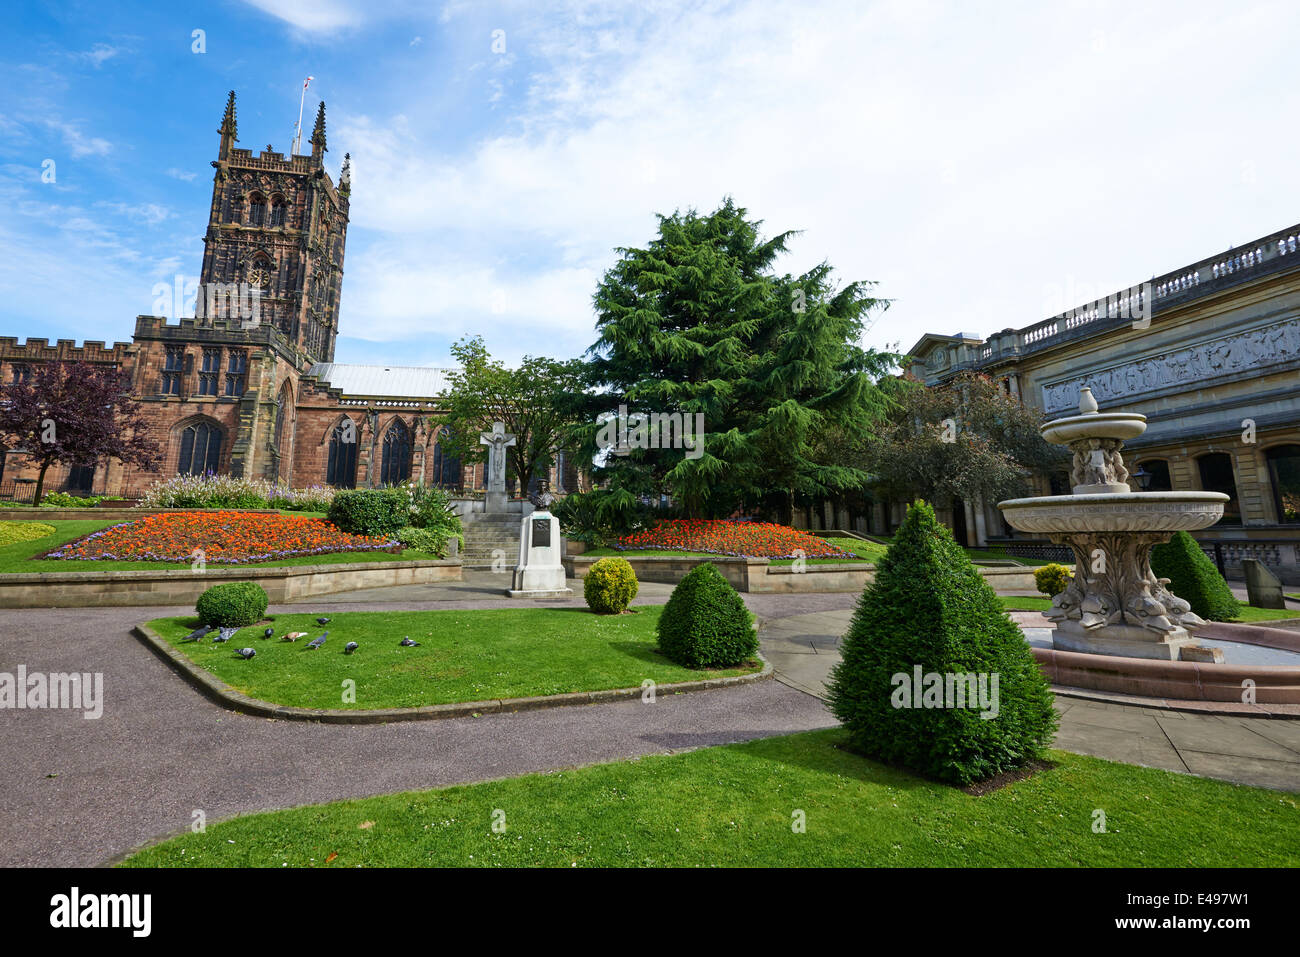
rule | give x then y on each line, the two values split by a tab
1116	498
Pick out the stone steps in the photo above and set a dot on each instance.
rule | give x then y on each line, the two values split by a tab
484	536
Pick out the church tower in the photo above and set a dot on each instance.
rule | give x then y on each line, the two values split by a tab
279	224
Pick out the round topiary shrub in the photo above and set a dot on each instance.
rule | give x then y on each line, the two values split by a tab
610	586
933	675
705	624
1194	578
237	604
1051	579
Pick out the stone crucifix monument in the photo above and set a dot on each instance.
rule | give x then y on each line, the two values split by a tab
497	441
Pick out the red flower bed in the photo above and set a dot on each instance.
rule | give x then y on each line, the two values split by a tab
718	537
224	538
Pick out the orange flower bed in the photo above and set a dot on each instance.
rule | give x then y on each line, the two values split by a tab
719	537
223	538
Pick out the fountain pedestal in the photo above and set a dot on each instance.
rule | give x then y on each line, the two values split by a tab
1114	605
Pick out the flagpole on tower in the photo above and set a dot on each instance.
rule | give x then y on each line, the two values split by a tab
297	136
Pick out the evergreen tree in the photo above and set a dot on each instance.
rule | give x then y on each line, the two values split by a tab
698	322
930	611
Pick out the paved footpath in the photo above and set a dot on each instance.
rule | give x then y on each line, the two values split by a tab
78	792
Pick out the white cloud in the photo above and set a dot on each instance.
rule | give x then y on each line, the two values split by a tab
187	176
976	165
77	142
99	53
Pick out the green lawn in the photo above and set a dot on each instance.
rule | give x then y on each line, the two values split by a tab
1249	613
734	806
463	656
20	557
862	550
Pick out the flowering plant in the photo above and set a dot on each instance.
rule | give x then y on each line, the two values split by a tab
724	537
218	537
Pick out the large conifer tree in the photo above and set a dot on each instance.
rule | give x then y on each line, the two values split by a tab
699	322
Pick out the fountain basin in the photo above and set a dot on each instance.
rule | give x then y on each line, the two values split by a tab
1094	425
1115	512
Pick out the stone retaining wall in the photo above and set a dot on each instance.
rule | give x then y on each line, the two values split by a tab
183	587
100	514
758	575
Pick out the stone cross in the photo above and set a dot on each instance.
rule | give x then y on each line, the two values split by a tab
497	441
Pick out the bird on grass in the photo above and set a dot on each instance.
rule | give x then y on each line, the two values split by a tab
268	633
199	633
294	635
350	647
246	653
225	634
317	642
322	621
408	643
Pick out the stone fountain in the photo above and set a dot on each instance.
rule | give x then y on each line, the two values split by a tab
1115	605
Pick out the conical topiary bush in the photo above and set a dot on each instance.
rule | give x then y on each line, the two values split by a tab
929	615
1194	578
705	623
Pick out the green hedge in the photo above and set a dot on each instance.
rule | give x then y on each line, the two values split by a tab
236	603
380	512
610	586
929	607
705	623
1194	578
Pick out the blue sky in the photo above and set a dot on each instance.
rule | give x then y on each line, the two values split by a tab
987	165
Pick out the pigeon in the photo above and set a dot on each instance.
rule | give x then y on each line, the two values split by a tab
199	633
350	647
246	653
268	633
317	642
227	632
322	621
408	643
294	635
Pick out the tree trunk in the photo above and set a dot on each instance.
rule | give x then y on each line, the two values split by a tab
40	483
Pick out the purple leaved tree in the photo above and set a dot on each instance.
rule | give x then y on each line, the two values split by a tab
74	413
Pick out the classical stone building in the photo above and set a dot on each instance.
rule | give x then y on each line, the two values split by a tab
250	387
1210	353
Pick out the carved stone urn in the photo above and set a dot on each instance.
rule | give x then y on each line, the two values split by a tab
1114	605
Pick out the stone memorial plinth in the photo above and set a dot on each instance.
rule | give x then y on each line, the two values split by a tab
540	573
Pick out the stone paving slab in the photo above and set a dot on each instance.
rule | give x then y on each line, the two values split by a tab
1247	749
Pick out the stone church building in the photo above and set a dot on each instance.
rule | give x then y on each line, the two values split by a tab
250	387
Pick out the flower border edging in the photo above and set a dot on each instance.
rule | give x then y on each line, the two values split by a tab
221	693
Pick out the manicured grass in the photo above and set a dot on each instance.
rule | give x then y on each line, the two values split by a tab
20	557
463	656
985	555
734	806
863	551
1249	613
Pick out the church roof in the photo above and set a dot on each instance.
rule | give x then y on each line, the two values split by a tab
406	382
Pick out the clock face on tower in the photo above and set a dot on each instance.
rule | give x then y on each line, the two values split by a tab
259	275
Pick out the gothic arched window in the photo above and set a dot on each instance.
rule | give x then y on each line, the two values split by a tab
396	466
200	449
277	210
447	472
341	469
256	209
